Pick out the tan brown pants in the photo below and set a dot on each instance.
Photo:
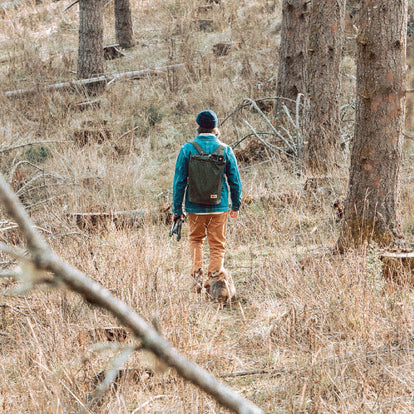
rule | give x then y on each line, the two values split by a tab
214	227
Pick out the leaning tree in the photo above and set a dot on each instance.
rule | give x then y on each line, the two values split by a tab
324	52
372	204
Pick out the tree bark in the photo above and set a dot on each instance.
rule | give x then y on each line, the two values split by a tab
90	52
123	24
371	208
322	123
291	72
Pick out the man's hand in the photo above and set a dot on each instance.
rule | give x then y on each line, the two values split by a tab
234	214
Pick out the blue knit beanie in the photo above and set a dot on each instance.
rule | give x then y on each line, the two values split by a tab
207	119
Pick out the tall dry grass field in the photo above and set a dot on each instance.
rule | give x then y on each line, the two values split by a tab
311	332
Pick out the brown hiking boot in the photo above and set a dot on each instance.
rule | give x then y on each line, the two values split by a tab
220	286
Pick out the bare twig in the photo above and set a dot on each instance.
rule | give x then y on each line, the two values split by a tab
43	258
70	5
126	133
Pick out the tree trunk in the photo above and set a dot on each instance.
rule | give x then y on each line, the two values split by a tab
371	208
123	24
90	54
291	72
322	123
409	118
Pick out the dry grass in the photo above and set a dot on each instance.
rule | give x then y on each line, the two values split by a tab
328	332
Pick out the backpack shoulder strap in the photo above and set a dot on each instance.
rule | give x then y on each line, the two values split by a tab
197	146
219	148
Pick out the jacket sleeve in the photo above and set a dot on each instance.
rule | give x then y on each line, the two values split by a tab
180	182
233	179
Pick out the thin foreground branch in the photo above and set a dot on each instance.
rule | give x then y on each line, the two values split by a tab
45	259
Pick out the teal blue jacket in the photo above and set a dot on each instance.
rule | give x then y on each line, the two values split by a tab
231	179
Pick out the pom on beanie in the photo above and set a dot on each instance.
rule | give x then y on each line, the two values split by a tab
207	119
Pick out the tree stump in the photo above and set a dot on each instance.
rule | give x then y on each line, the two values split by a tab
87	136
112	52
223	49
205	25
398	266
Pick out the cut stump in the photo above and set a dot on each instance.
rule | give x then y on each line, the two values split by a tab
112	52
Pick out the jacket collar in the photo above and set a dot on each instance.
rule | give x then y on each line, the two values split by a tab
209	137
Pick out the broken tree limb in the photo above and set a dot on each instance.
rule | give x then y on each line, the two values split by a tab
270	147
44	259
80	84
245	104
239	141
266	119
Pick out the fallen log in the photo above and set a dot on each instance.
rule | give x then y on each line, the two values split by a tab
80	84
121	219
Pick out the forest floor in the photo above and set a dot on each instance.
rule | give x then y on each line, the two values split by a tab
311	331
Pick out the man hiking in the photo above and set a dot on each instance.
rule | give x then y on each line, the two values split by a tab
207	209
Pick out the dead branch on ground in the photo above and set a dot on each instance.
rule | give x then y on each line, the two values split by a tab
42	258
80	84
28	144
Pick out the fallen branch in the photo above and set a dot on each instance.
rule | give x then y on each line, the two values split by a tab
326	363
80	84
44	259
27	144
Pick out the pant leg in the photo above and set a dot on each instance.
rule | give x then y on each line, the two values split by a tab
216	236
196	235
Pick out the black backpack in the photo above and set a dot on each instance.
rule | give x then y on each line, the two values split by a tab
205	176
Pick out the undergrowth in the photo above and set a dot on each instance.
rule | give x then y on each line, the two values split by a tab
311	331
